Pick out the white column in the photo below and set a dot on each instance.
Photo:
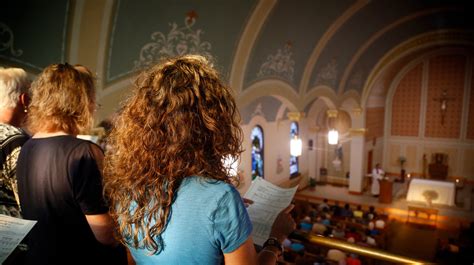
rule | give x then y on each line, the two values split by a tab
356	170
357	160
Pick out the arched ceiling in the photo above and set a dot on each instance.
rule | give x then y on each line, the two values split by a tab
404	31
309	48
288	37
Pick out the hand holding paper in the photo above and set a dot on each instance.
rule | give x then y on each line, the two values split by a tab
268	201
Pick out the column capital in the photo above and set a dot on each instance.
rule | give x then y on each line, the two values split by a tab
295	115
332	113
358	131
357	111
314	129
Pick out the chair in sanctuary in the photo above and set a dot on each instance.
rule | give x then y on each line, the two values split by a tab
438	169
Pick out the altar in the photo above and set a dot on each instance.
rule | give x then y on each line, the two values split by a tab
441	192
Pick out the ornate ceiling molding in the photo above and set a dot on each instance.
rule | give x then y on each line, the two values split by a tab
247	41
269	87
320	92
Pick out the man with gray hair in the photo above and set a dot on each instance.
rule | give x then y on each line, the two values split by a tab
14	87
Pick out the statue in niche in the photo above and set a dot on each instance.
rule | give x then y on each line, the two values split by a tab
337	162
438	168
279	167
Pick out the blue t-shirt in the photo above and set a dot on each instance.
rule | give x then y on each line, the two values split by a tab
208	219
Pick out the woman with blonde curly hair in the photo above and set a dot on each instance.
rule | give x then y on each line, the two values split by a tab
164	174
59	177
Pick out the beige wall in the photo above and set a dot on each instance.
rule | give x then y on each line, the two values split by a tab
427	134
276	147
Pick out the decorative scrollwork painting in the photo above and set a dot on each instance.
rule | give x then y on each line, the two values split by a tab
279	64
7	39
179	40
328	74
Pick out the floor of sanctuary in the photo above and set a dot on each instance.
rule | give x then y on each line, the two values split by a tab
452	218
416	242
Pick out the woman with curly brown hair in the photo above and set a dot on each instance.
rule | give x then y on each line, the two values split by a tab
164	174
59	175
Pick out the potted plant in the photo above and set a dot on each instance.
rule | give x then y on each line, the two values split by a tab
312	183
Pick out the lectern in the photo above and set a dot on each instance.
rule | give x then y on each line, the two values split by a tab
385	191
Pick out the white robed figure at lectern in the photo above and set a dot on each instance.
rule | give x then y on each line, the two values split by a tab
377	174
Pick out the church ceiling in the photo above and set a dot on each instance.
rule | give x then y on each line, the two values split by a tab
387	23
144	31
288	37
307	44
453	19
266	107
33	34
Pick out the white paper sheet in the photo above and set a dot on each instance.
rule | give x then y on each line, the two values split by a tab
268	201
12	231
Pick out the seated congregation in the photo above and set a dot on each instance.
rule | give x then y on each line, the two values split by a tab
352	224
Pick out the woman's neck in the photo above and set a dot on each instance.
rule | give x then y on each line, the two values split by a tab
49	134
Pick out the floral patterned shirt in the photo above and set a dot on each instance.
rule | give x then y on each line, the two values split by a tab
11	140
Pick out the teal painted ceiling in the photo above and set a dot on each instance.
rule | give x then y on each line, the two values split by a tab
429	23
373	18
144	31
33	34
266	106
288	38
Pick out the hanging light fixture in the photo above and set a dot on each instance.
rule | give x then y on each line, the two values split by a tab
333	137
296	146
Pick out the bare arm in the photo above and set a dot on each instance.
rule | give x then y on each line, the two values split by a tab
102	227
244	255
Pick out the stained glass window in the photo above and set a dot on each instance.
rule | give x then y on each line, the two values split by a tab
257	152
294	166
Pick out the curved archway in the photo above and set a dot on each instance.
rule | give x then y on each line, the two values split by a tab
277	88
415	45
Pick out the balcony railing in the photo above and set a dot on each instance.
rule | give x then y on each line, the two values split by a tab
363	251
